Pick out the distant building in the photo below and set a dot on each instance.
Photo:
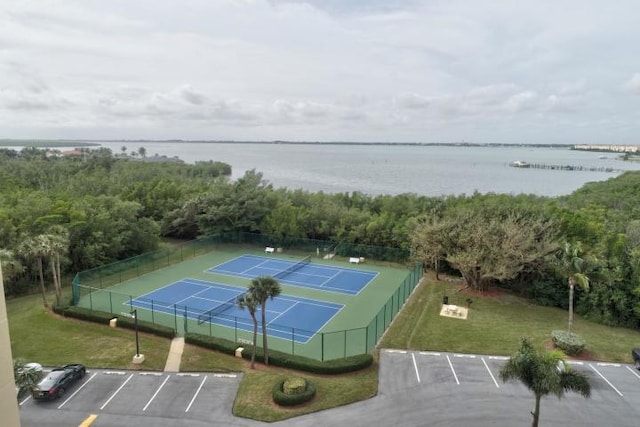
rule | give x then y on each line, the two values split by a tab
608	147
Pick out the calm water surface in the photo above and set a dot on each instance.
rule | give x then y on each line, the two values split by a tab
385	169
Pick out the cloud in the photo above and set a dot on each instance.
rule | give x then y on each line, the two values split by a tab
278	69
633	85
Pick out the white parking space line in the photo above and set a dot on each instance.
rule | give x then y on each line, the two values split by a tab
415	366
396	351
225	375
25	400
76	392
195	394
156	393
606	380
116	392
616	365
498	358
430	353
490	373
633	372
468	356
453	370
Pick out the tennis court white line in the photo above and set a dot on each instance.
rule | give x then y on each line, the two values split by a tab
195	394
281	313
453	370
606	380
490	373
116	392
156	393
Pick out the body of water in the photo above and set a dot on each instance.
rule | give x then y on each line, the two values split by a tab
395	169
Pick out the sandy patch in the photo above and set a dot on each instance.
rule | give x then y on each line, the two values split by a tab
454	311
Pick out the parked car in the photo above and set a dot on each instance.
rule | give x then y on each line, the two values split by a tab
635	353
56	383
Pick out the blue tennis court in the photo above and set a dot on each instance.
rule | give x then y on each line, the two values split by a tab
287	316
335	279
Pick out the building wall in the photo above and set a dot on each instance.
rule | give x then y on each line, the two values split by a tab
8	402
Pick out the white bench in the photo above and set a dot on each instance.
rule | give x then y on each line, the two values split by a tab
354	260
269	250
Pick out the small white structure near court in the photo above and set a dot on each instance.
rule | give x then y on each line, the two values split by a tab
269	250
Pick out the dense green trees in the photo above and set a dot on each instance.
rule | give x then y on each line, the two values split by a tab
113	207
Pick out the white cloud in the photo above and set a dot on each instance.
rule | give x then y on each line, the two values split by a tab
633	85
325	69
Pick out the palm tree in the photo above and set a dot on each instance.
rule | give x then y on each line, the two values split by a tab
543	374
250	302
57	242
36	248
263	288
572	266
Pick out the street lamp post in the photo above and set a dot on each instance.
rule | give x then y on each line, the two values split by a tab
138	358
135	320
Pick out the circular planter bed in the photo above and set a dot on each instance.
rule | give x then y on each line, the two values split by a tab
293	391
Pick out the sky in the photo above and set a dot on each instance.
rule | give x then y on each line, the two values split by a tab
491	71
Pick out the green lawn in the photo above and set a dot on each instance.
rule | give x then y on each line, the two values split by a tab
42	336
495	324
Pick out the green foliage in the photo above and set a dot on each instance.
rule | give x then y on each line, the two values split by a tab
286	395
276	358
123	322
539	372
572	344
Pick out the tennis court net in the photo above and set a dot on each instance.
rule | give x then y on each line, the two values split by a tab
218	309
298	265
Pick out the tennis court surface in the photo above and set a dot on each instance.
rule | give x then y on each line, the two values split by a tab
302	273
287	316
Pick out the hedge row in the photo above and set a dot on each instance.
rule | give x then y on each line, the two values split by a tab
124	322
284	399
284	360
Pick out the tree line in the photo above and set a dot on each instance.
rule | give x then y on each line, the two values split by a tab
61	215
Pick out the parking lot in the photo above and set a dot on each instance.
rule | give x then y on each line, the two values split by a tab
416	388
184	398
405	369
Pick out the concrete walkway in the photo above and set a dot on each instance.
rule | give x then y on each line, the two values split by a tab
175	355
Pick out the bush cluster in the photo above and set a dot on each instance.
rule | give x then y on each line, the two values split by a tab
124	322
572	344
301	395
284	360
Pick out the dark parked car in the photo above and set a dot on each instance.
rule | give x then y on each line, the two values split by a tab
58	381
635	353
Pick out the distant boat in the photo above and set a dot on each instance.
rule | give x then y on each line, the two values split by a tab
520	164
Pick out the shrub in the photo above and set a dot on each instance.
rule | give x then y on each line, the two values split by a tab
124	322
302	392
572	344
285	360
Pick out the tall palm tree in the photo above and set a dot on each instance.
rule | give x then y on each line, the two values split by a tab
543	374
57	243
250	302
36	248
573	266
263	288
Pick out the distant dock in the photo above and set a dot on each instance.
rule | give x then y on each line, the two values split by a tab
525	165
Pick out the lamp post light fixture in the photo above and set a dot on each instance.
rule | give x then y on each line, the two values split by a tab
138	358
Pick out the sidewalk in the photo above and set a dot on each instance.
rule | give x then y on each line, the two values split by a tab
175	355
